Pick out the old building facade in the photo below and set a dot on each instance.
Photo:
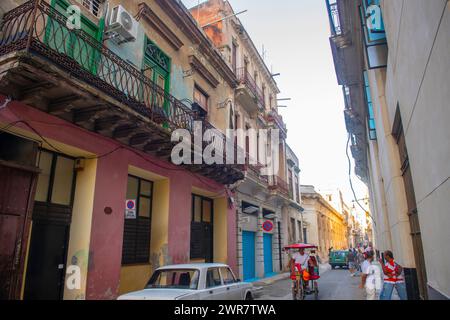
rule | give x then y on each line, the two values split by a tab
326	226
263	200
86	130
88	113
391	58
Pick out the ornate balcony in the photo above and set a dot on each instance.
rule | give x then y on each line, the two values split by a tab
71	75
277	120
279	185
254	170
250	95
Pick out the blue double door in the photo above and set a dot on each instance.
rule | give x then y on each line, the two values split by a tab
248	254
268	255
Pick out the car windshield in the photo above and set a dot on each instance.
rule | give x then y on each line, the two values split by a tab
174	279
339	255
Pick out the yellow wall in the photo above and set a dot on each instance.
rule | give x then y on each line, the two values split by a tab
220	230
160	223
81	213
134	278
22	291
80	230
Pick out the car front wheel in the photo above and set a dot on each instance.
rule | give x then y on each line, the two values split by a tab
248	297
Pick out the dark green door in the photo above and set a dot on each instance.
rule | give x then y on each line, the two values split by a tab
69	42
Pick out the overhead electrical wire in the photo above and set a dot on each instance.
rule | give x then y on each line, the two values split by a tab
26	123
351	182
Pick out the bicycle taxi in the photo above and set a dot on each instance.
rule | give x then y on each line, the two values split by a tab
305	280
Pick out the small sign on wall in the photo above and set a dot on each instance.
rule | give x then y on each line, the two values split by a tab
268	226
130	209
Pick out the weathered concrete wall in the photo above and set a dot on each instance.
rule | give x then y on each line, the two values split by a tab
417	81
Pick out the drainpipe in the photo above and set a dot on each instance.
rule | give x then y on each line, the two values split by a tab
279	246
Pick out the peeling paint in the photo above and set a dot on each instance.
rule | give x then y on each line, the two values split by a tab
178	85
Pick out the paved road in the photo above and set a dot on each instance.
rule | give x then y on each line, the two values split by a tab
333	285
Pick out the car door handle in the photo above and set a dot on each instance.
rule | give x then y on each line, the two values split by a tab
211	292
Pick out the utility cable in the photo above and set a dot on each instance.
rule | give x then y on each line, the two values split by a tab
351	182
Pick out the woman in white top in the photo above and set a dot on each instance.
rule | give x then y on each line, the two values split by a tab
371	279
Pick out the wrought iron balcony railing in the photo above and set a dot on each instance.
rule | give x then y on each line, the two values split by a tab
37	28
246	79
274	116
279	184
255	167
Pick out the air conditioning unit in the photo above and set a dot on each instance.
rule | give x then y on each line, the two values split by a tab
122	25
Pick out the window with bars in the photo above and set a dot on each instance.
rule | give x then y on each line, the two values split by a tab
137	231
93	6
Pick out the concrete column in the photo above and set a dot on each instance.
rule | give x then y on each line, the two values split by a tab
275	246
105	256
260	245
231	237
80	228
180	201
394	189
239	257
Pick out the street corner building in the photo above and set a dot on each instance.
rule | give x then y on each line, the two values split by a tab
392	61
87	185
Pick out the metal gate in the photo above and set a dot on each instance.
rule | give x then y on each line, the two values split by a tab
268	256
248	255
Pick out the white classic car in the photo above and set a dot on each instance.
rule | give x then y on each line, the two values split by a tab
193	282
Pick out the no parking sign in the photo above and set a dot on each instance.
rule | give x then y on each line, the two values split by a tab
130	209
268	226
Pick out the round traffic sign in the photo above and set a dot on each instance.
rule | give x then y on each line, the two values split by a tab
268	226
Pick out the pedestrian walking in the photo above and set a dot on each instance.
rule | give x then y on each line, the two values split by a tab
393	278
371	278
359	261
351	262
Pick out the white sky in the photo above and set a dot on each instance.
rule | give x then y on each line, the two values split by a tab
295	36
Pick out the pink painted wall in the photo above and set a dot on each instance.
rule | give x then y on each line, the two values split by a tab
105	254
180	220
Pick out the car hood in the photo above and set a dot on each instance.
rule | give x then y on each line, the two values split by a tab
156	294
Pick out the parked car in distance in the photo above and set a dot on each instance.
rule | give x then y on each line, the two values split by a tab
208	281
338	258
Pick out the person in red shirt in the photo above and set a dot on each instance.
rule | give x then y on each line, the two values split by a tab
393	278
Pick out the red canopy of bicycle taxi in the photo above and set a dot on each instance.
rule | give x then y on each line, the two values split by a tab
300	246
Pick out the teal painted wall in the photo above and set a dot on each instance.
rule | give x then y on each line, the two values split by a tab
180	88
131	52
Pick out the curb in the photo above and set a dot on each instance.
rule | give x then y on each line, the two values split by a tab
271	280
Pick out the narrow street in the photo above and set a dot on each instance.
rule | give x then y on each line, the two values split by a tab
333	285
